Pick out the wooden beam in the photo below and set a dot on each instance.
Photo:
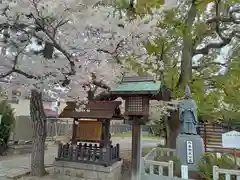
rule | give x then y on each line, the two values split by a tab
106	132
74	131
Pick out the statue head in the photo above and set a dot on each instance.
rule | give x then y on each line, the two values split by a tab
188	94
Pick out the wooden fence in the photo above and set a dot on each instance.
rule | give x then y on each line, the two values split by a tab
229	173
151	168
212	136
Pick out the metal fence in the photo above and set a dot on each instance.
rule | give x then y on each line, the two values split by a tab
23	128
59	128
63	127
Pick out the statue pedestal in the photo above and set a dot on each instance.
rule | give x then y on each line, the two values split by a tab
189	149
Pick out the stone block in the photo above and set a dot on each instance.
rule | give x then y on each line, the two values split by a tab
67	172
102	175
82	171
79	174
189	154
58	170
90	174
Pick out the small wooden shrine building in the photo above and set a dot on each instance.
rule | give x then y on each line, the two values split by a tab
91	126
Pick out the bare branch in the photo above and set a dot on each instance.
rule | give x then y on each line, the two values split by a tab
29	76
60	23
223	19
218	20
214	45
202	66
6	74
100	84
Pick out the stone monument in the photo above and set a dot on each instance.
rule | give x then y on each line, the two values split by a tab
189	145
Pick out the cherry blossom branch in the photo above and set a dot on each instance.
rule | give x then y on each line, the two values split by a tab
15	61
114	54
57	46
21	27
41	23
98	84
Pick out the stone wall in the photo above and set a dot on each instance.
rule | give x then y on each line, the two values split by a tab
82	171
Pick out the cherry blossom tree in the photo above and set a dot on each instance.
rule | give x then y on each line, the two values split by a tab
50	43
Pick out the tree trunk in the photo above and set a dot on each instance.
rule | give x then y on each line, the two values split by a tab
187	51
173	127
38	118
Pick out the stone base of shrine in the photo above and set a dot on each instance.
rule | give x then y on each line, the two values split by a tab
82	171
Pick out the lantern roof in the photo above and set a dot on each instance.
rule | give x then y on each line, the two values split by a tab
137	85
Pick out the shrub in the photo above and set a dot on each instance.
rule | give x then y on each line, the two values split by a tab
7	122
208	160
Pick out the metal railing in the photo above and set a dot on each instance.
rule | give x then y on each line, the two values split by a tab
62	127
88	153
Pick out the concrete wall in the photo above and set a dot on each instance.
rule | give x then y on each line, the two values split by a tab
22	108
22	129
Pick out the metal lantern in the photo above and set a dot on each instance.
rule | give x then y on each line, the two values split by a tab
137	106
137	92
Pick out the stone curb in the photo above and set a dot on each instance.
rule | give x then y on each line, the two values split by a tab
16	174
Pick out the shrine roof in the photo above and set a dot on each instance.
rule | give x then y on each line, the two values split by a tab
90	115
96	110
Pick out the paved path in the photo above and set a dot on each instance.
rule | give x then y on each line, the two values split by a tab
19	163
10	165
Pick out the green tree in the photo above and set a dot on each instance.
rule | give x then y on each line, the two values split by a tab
228	85
187	52
7	122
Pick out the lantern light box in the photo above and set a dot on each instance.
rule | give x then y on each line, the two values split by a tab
137	92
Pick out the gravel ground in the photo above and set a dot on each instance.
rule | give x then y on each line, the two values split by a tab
15	163
125	155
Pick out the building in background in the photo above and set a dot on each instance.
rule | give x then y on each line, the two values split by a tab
21	105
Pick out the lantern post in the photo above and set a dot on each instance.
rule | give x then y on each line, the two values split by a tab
137	92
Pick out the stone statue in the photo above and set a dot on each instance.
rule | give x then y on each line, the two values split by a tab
188	114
